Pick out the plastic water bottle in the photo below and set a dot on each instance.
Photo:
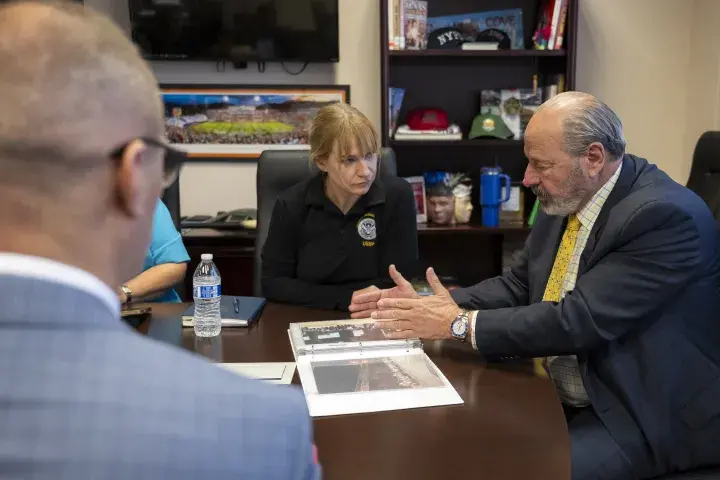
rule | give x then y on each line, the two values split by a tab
206	293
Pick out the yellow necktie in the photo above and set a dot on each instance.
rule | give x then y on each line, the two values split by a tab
553	290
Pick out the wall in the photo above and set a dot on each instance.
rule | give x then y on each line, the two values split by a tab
665	86
628	60
703	89
207	188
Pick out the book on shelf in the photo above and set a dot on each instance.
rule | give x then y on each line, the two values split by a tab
396	24
350	366
395	99
550	31
414	17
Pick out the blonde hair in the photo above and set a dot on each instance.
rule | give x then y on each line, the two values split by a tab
345	125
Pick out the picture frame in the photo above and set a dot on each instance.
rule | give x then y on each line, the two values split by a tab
417	183
238	122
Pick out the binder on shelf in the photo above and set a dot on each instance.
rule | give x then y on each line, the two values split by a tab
350	366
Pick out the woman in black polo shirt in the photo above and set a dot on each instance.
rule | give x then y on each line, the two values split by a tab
340	230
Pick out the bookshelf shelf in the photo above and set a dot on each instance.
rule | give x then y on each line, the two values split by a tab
476	53
471	229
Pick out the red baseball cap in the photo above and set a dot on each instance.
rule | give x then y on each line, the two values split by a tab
427	119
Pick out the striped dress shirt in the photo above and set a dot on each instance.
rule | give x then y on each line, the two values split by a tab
564	370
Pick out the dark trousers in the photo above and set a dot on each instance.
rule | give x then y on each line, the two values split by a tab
594	453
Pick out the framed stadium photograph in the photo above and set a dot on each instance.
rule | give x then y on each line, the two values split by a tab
216	122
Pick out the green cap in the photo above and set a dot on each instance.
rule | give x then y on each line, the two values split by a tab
489	125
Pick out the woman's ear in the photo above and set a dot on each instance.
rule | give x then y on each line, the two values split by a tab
321	163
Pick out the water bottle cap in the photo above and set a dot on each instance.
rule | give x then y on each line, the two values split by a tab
206	257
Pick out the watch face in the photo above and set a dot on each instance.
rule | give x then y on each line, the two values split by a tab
458	328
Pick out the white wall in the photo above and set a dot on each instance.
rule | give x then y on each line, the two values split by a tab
663	81
627	59
207	188
703	89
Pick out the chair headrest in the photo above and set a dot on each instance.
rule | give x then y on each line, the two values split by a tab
706	158
282	169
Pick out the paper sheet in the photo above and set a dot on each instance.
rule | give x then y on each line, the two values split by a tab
273	372
376	381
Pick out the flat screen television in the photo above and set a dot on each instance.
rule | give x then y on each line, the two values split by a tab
236	30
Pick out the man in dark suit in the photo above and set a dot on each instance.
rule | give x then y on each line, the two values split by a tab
82	164
615	295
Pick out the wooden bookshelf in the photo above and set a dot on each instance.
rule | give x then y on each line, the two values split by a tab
477	53
452	80
471	230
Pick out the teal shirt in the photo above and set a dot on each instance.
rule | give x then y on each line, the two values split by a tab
166	246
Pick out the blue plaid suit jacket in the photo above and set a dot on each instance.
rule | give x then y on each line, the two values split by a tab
85	397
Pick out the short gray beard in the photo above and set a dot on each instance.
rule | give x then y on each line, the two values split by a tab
576	191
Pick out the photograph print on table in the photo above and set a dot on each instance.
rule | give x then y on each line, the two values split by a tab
375	374
234	122
341	331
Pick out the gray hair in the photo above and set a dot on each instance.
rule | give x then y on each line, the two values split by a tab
587	121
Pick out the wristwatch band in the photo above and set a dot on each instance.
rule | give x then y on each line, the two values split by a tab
128	293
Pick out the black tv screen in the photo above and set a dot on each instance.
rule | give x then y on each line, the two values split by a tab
263	30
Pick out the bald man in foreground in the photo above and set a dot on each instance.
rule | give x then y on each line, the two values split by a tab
82	163
615	295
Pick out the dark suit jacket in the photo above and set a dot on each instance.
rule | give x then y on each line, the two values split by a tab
643	318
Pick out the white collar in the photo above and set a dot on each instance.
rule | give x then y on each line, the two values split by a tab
55	272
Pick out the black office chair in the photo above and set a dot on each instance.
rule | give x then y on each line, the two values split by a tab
279	170
171	199
705	171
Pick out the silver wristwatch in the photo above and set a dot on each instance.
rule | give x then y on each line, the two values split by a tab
460	326
128	293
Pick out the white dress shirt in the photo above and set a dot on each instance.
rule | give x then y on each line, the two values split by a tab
51	271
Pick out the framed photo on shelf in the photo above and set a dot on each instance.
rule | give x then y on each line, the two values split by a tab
418	186
240	121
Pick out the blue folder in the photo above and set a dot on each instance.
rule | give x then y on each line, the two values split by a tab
234	311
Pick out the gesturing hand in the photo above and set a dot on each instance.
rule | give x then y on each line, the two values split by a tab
422	317
364	301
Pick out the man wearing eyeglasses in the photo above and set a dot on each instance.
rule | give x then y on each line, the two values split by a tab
82	166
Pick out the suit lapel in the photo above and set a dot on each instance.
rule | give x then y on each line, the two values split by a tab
621	190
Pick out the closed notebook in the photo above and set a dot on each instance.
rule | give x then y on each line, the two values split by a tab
234	311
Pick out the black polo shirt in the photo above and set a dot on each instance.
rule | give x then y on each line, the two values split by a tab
317	256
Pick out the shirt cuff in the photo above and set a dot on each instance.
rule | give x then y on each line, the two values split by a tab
473	319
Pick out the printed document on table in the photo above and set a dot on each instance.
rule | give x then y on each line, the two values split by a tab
273	372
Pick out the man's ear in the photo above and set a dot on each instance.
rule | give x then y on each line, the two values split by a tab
129	179
596	158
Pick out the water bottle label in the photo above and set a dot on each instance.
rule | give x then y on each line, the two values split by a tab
207	291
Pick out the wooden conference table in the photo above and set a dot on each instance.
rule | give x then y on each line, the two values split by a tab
510	427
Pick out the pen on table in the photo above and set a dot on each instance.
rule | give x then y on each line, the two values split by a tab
236	304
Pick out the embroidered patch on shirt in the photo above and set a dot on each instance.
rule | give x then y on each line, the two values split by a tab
367	229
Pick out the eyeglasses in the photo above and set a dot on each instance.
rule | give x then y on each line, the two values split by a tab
173	159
